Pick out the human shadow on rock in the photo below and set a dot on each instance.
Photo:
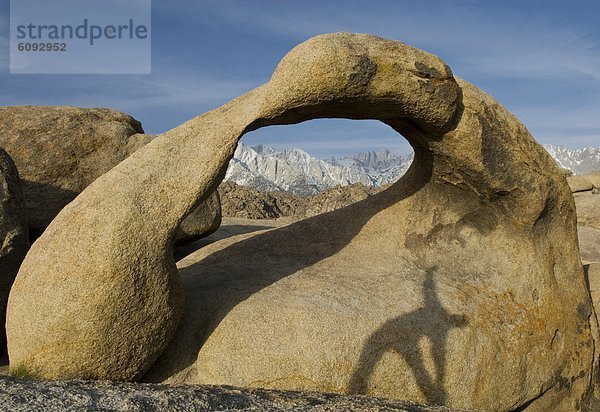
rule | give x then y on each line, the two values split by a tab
402	335
220	281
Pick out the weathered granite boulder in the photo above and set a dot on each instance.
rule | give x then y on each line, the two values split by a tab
14	242
425	291
59	151
588	218
593	178
579	184
202	221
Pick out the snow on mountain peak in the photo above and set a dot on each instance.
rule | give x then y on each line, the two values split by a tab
297	172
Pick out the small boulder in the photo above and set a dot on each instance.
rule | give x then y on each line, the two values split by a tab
203	221
594	179
579	184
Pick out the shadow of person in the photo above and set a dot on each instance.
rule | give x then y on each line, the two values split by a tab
402	335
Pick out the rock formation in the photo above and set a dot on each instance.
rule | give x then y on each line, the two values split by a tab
579	184
337	198
25	396
584	183
460	284
59	151
249	203
14	242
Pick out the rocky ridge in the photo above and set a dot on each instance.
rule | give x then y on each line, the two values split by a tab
250	203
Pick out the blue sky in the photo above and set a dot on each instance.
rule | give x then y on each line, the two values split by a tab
541	59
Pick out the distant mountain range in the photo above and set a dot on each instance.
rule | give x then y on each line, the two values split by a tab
578	161
295	171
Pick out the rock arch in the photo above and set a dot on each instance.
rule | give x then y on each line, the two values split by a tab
483	217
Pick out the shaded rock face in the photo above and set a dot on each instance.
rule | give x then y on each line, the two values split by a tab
589	243
59	151
588	219
204	220
424	291
13	234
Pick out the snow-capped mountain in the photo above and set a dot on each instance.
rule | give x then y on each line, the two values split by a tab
295	171
578	161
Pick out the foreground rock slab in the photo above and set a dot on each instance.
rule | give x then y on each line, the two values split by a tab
19	395
459	285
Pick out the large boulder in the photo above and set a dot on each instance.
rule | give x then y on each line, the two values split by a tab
59	151
425	291
14	241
